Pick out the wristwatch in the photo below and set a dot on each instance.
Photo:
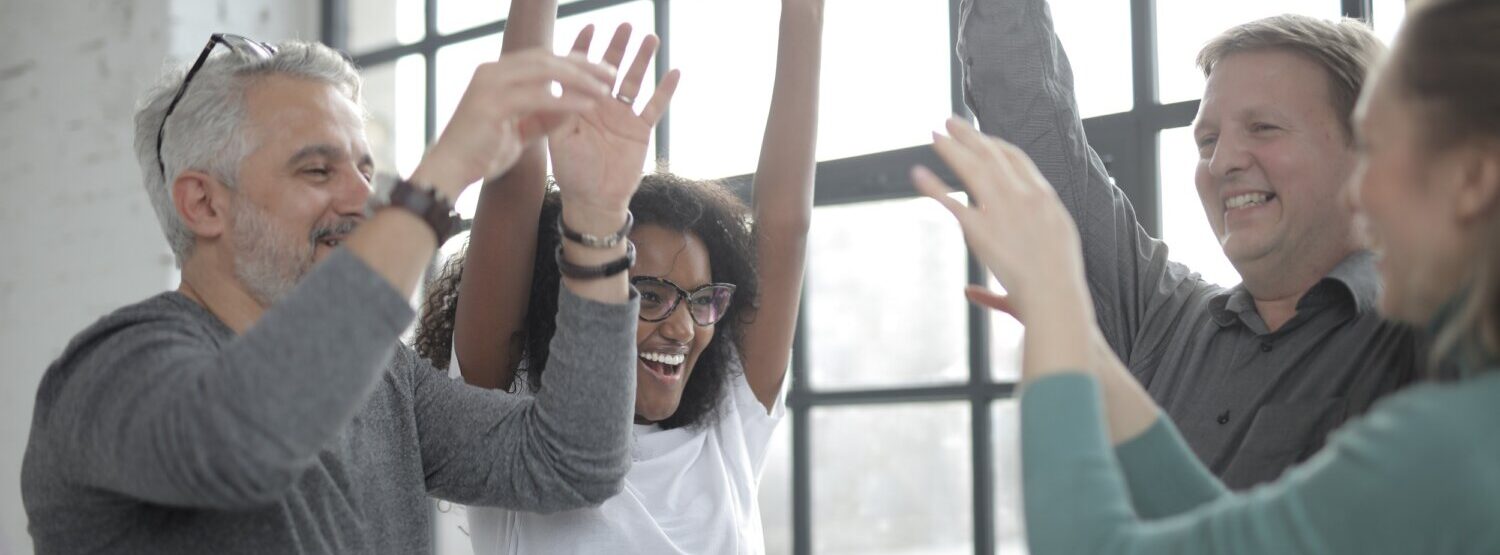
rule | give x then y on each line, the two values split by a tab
427	204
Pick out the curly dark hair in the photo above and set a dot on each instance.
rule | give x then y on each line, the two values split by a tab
706	209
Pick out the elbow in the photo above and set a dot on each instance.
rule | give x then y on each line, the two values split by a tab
584	492
595	493
235	485
605	480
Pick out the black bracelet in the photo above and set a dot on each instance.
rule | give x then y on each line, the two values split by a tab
426	203
605	270
593	241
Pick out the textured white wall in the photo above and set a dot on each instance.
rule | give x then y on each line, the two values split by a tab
77	235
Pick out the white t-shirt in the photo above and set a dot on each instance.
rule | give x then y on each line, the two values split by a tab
688	491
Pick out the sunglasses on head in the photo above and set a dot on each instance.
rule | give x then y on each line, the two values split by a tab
659	298
240	45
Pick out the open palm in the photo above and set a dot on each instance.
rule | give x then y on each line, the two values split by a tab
597	155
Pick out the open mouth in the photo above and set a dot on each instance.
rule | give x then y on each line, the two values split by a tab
664	364
1248	200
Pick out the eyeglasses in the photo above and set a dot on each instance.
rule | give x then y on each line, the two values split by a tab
659	298
238	44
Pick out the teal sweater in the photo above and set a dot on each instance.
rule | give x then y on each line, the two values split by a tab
1419	474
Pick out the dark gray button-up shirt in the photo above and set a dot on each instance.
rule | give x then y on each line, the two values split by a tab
1250	402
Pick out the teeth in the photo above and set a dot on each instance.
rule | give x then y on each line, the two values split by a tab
664	358
1247	199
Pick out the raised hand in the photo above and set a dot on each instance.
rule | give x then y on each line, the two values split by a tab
597	154
1017	226
509	103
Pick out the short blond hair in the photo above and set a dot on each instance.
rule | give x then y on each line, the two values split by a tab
1345	49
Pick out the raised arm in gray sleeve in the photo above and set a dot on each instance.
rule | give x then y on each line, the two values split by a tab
1018	83
565	448
167	416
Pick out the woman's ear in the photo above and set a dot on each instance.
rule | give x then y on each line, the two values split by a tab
1478	190
202	202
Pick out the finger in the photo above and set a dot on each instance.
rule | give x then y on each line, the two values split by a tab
965	133
585	38
617	45
932	186
970	168
661	98
990	150
530	102
571	72
1021	166
982	296
630	87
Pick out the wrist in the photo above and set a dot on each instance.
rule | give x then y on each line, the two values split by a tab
591	219
440	176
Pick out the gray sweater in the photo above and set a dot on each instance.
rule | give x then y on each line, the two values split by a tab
161	431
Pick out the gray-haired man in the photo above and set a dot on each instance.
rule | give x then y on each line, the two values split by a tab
1257	375
266	406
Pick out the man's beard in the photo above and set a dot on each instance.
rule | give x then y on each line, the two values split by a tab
269	261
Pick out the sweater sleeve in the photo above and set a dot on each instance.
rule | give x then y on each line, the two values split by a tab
1376	488
170	416
1163	475
564	448
1018	82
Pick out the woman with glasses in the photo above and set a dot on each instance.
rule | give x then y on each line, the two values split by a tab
1105	472
719	286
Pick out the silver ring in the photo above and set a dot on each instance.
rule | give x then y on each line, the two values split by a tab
622	97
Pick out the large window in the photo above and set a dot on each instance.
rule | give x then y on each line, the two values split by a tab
902	431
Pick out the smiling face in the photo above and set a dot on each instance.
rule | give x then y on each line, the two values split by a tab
1406	196
668	350
304	186
1273	160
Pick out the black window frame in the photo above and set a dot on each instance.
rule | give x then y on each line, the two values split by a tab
1126	141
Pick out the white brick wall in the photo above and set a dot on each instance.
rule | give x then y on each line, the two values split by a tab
77	235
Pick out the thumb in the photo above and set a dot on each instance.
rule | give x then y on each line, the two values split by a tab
982	296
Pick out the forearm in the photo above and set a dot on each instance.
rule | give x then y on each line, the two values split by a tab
179	421
1019	84
783	197
568	447
784	175
496	282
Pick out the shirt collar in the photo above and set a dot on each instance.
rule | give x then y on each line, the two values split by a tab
1355	276
1358	276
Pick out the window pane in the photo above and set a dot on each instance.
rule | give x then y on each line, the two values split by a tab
727	54
885	303
1096	36
455	68
1184	26
456	15
1184	225
380	23
1010	530
866	106
892	479
394	98
1005	342
776	491
719	112
1388	15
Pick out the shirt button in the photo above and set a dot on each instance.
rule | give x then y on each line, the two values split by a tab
1265	347
1224	418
